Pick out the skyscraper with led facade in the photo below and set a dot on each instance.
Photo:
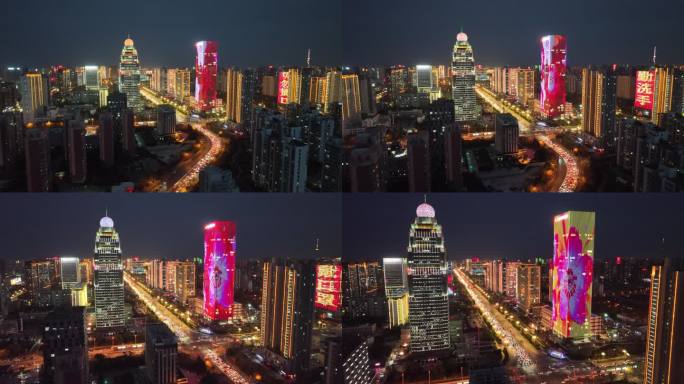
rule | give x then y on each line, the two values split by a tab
219	269
129	75
553	69
463	80
396	290
109	283
427	283
571	279
206	65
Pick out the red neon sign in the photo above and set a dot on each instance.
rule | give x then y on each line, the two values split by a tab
645	86
283	87
328	286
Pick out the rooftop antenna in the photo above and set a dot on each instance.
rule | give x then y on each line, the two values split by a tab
317	247
425	198
654	55
308	58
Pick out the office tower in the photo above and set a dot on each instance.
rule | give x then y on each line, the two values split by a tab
419	162
599	98
34	95
79	295
511	281
463	80
185	281
427	282
289	86
506	133
76	151
351	98
520	83
453	155
294	166
355	360
553	70
109	284
65	347
333	90
529	286
161	351
573	262
159	80
677	91
665	328
91	78
11	139
129	75
399	82
206	65
69	272
234	95
396	290
105	135
328	286
166	120
38	172
287	302
499	80
219	269
128	131
424	79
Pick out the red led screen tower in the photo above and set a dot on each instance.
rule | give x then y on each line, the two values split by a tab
328	286
553	68
206	71
219	269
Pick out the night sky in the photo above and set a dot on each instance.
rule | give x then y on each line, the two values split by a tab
514	226
384	32
169	225
249	33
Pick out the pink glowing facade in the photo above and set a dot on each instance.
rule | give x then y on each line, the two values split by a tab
219	269
206	65
572	273
553	69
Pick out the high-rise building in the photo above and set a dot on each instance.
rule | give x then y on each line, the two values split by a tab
287	305
599	98
128	130
108	284
553	70
129	75
34	95
419	162
69	272
289	86
234	95
355	360
463	80
105	135
65	347
511	281
184	286
206	66
161	351
166	120
38	170
453	161
11	139
76	151
333	90
396	290
662	92
219	269
573	263
427	282
665	328
351	101
424	79
528	293
295	157
91	78
506	133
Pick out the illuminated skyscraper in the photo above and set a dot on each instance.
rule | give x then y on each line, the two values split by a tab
553	69
65	347
506	133
463	80
69	272
396	290
109	284
665	328
38	170
206	65
573	263
599	98
161	350
234	81
129	75
34	95
427	282
351	101
76	151
287	303
219	269
289	86
528	287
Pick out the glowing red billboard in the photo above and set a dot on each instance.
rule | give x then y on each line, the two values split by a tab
219	269
206	66
645	87
283	87
328	286
553	70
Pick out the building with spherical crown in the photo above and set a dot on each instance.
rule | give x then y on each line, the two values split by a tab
129	75
108	279
463	80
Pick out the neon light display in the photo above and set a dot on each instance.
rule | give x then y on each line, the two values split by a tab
206	71
553	69
573	264
328	286
645	87
283	87
219	269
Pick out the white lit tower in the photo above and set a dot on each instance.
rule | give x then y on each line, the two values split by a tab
463	80
129	75
108	279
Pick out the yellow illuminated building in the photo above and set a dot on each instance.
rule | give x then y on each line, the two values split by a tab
234	95
79	295
351	98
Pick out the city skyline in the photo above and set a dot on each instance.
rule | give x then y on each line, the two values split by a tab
171	227
276	37
627	38
513	227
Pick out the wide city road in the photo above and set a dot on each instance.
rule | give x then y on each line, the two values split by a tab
186	175
185	334
568	172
